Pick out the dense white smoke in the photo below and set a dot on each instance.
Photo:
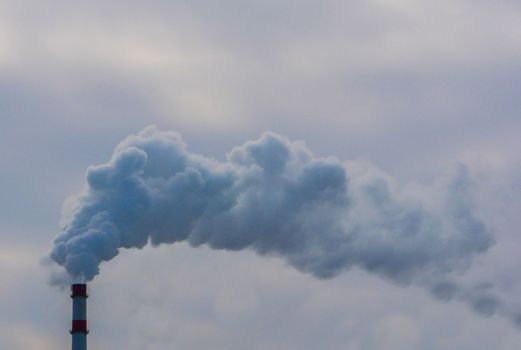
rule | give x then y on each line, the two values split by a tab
273	196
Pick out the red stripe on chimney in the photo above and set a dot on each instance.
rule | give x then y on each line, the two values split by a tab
79	290
79	326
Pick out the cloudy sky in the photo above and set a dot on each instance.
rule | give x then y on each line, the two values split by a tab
411	86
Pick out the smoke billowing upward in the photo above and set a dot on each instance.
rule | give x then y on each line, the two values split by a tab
275	197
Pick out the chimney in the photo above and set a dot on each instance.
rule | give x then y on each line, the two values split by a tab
79	316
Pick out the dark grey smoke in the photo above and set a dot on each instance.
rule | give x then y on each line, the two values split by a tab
273	196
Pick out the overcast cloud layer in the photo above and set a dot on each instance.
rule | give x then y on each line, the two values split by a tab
412	86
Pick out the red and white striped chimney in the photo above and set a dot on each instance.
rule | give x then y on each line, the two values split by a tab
79	316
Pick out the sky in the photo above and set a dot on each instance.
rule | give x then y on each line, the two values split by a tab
413	87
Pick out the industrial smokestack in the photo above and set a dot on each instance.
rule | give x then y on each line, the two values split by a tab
79	316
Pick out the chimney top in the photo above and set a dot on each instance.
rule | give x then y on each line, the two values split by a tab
79	290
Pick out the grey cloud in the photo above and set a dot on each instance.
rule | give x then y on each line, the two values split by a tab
444	290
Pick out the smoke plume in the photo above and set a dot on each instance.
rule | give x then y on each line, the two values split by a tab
274	197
